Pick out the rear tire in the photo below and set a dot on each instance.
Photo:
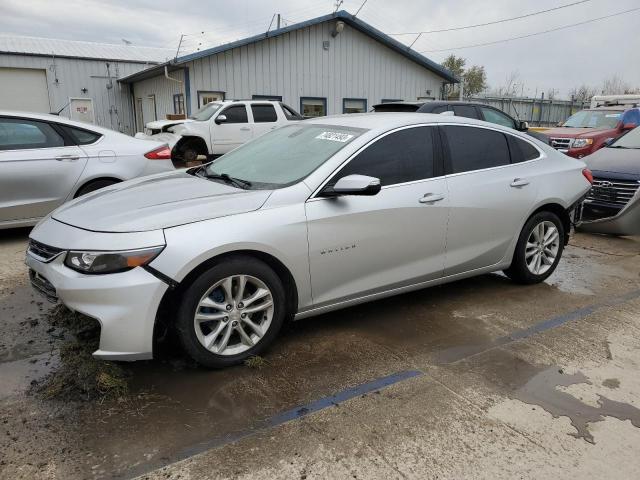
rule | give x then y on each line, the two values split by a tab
95	185
231	312
538	250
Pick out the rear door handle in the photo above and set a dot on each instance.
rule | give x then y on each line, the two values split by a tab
67	158
519	182
431	198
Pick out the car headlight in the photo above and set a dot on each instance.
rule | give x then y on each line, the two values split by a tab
110	262
582	142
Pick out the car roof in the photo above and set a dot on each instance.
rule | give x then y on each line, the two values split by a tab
48	117
383	121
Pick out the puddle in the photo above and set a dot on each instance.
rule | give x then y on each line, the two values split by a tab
541	390
17	376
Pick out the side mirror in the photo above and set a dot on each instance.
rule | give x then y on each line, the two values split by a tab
559	124
354	185
629	126
523	126
221	119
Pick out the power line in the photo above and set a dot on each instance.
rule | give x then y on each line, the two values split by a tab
363	3
532	14
532	34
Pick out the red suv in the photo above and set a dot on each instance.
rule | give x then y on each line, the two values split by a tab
588	130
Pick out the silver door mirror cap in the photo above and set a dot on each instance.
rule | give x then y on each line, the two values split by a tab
221	119
357	185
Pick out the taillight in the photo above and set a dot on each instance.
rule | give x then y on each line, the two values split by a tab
588	175
161	153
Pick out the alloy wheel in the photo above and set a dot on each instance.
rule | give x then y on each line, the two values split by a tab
542	247
234	315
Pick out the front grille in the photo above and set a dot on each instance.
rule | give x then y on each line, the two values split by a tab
43	286
561	143
617	192
42	252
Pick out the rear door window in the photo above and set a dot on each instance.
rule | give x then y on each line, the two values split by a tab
236	114
468	111
263	113
474	148
403	156
19	134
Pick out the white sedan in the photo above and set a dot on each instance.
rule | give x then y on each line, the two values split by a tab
46	160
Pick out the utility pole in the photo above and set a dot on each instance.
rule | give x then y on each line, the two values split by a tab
179	45
278	22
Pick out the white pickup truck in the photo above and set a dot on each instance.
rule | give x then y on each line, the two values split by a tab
219	127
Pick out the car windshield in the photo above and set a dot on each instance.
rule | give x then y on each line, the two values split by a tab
206	112
594	119
629	140
285	156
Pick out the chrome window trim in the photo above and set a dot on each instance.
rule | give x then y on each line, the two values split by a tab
314	195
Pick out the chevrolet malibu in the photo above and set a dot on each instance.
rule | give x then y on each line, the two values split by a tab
309	218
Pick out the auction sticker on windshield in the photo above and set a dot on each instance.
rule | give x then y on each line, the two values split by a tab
335	136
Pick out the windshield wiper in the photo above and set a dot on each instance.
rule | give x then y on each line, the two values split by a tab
238	182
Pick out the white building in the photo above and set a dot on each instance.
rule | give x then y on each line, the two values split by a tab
331	64
77	79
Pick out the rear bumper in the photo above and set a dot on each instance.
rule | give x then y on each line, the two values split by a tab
125	304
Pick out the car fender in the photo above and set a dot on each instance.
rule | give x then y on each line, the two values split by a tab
280	232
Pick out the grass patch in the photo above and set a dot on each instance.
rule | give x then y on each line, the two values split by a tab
256	361
80	376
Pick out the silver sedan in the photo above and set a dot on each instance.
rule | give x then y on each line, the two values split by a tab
46	160
307	219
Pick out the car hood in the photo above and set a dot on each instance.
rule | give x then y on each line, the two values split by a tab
615	160
163	123
158	201
570	132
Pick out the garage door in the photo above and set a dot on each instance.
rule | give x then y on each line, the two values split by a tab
24	89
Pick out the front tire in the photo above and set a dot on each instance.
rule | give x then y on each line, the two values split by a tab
538	250
231	312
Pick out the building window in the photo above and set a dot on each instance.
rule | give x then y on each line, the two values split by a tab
354	105
208	97
275	98
178	104
389	100
313	106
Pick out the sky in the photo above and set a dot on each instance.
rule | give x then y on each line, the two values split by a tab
560	60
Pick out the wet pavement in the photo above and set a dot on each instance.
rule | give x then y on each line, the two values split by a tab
479	378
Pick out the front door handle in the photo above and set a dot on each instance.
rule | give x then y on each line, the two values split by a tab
67	158
431	198
519	182
245	129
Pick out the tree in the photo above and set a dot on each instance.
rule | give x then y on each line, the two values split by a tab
614	85
583	93
456	66
474	79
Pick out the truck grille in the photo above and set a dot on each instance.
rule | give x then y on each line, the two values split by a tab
617	192
561	143
42	252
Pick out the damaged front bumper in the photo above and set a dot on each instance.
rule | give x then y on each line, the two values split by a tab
625	222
